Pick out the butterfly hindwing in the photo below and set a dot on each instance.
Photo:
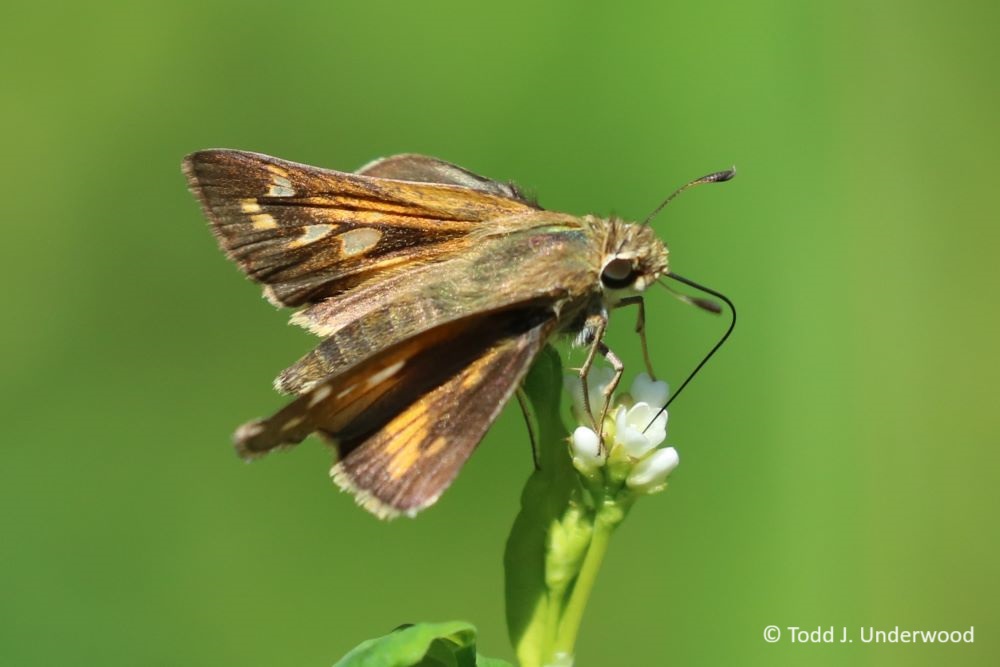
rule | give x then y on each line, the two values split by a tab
424	169
406	465
404	421
350	405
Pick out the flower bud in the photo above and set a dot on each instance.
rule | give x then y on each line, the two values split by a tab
646	390
598	379
586	447
650	474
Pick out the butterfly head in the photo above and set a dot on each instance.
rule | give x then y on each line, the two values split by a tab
634	258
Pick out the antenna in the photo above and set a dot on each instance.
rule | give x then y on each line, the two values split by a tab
732	325
714	177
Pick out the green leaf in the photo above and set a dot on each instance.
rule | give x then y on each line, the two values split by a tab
450	644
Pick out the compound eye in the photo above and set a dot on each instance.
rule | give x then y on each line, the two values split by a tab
618	274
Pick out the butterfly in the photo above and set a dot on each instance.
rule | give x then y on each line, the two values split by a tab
433	289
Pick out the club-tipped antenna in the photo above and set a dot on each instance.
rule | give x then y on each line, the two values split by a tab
714	177
715	348
697	301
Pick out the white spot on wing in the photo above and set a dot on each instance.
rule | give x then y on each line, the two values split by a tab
311	234
293	422
359	240
280	187
384	374
320	395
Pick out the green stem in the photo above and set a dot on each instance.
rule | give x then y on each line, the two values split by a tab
559	538
534	596
556	598
608	517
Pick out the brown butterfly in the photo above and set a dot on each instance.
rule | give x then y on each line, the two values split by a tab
433	288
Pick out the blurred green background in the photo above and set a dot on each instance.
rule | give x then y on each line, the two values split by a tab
839	457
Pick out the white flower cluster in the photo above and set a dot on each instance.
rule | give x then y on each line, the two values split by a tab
631	434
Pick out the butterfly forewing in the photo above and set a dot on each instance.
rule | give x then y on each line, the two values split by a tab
308	233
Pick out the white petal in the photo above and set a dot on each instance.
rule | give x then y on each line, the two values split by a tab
645	390
628	431
652	471
641	418
598	378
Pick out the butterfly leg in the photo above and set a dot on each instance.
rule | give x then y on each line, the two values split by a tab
594	332
619	368
640	328
529	421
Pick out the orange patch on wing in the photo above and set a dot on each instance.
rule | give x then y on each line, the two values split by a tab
407	431
436	446
404	459
408	425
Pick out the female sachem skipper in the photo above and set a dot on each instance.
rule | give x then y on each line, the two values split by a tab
433	290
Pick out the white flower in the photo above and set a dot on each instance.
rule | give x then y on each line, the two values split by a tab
632	434
649	474
586	446
597	380
646	390
631	430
